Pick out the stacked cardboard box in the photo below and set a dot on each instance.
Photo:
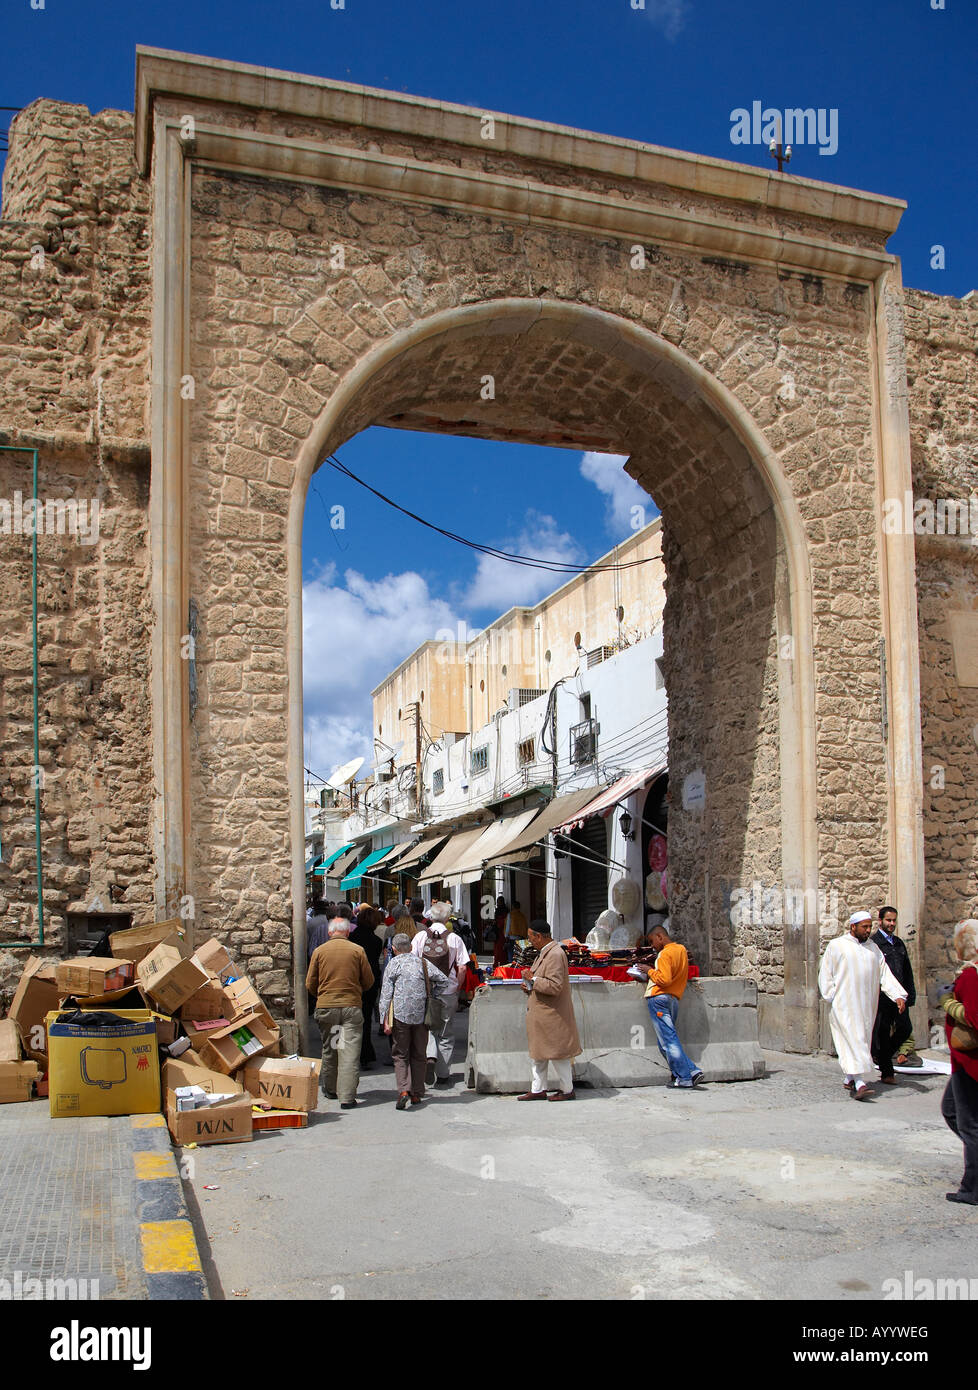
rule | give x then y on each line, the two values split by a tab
221	1077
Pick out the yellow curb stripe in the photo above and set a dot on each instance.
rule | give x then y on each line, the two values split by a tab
169	1247
151	1165
147	1121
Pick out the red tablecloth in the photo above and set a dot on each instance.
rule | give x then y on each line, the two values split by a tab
617	974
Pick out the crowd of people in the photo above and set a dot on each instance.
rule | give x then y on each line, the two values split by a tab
410	969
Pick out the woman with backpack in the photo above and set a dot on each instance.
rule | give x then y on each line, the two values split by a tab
446	953
408	983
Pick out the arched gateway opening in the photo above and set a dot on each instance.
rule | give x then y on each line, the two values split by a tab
737	620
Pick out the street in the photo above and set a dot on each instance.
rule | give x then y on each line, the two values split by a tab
780	1188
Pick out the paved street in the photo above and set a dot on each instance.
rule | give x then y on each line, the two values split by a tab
779	1188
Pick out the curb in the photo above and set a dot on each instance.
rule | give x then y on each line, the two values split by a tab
171	1260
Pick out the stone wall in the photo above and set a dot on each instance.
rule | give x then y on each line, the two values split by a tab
942	374
74	358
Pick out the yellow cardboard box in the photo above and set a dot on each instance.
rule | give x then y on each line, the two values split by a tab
103	1070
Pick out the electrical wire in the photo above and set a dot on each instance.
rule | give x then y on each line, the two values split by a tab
511	557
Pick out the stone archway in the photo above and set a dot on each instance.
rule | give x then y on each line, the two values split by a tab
325	258
738	615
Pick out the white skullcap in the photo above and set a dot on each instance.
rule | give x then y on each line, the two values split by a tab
860	917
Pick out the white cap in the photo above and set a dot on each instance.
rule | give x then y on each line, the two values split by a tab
860	917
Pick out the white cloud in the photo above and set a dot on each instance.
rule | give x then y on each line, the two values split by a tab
622	493
499	584
353	634
667	15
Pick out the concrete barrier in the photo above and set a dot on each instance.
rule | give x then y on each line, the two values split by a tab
717	1028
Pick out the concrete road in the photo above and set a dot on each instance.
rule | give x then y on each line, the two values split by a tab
779	1188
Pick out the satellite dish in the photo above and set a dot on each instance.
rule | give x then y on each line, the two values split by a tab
344	774
626	896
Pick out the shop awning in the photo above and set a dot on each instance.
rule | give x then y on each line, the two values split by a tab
353	880
401	851
493	841
331	859
414	856
344	862
561	809
608	799
451	856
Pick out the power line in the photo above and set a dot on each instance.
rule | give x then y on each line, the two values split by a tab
530	561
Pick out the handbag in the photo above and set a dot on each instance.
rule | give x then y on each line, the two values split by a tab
434	1014
389	1017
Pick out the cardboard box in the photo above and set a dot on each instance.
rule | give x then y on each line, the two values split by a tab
177	1072
283	1084
214	958
16	1080
104	1071
206	1003
243	999
136	942
88	976
226	1122
278	1119
9	1041
167	1029
36	995
226	1049
169	977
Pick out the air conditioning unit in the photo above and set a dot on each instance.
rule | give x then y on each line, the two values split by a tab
584	742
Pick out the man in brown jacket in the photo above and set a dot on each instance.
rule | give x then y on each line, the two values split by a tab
551	1028
339	975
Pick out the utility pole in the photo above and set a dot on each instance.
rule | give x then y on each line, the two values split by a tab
415	706
779	151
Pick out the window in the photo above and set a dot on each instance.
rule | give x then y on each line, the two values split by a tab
438	781
660	675
479	761
585	705
526	752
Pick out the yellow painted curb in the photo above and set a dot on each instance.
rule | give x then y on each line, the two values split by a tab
154	1165
169	1247
147	1121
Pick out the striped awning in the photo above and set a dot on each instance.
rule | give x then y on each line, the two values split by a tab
414	856
607	800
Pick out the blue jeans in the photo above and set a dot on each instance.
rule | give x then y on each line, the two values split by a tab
663	1009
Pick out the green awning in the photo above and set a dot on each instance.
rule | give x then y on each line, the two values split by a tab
331	859
353	879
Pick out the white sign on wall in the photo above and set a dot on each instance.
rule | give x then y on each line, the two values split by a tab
694	791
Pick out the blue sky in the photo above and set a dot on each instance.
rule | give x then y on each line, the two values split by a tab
899	73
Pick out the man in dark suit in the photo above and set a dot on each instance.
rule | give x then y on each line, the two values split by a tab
891	1028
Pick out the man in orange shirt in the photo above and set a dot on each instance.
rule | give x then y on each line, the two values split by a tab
667	981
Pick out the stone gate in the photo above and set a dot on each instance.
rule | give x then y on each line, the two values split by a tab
291	260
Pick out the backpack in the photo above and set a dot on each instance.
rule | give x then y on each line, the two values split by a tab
435	950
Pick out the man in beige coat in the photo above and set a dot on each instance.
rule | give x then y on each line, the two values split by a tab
551	1028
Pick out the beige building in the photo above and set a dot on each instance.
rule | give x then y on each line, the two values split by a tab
459	684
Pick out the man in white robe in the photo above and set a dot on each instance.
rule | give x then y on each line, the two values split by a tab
852	973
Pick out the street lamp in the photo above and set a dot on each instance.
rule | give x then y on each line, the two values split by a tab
625	821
